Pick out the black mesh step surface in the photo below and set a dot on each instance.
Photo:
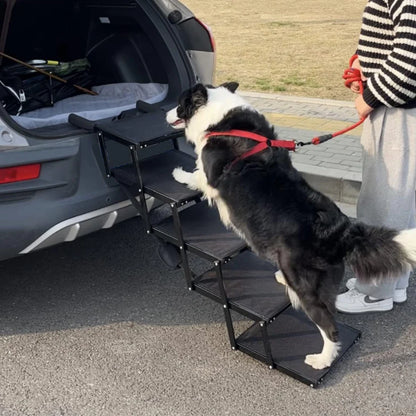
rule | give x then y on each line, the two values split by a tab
156	172
140	129
292	336
203	233
250	286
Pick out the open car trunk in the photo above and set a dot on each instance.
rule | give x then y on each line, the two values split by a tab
134	54
57	151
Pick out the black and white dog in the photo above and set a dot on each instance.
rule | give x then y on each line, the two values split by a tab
268	203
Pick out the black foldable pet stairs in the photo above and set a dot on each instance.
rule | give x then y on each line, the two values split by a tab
238	280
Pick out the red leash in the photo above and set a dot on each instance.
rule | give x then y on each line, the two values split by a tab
350	75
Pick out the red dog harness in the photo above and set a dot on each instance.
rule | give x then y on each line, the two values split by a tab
263	144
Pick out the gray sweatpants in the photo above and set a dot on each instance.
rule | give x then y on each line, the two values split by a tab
387	194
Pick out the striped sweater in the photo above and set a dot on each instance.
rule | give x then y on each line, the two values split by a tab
387	52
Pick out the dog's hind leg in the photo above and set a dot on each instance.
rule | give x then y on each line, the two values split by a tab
280	278
327	356
314	290
324	320
294	299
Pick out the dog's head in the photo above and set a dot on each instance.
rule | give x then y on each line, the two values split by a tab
202	106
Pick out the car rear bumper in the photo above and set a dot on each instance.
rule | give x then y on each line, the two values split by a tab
71	197
73	228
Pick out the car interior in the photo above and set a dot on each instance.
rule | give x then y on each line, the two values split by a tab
131	57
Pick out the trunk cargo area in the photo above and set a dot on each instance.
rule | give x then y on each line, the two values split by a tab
129	46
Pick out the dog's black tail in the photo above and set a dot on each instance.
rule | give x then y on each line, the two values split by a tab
376	252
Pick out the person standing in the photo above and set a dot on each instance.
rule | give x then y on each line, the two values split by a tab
387	61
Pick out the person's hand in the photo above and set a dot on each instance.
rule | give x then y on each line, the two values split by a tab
355	85
363	109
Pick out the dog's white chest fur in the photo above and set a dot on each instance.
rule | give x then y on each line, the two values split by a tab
197	180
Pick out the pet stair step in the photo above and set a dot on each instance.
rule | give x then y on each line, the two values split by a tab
250	287
143	129
156	173
203	233
292	335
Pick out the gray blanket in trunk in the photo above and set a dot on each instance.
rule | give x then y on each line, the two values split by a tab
111	100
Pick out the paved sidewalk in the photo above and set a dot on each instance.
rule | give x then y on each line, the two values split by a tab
333	167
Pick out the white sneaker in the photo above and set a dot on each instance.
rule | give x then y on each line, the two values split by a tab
399	296
354	301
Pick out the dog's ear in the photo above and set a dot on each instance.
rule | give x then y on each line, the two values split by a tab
231	86
199	95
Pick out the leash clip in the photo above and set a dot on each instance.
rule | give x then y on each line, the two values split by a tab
300	144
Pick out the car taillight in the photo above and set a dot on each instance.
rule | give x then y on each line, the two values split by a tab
211	37
19	173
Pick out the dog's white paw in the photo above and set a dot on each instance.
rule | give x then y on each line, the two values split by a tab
318	361
280	278
180	175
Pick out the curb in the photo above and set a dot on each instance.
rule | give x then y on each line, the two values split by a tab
298	99
342	188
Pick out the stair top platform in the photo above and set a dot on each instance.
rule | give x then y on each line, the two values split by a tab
143	128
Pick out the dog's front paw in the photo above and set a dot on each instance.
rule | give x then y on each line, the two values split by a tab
180	175
318	361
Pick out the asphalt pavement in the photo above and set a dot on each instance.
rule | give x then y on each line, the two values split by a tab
100	326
